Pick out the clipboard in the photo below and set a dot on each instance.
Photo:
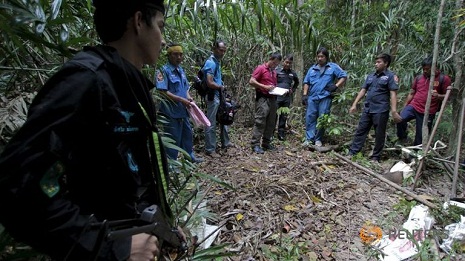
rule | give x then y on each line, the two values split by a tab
278	91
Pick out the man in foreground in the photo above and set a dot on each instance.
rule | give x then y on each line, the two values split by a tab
87	152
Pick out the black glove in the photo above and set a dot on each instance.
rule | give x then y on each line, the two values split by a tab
305	100
331	87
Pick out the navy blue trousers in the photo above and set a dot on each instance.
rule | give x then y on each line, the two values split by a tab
408	114
367	120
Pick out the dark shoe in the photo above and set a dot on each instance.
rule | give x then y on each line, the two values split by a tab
213	154
405	142
374	159
280	136
196	160
258	150
229	145
268	147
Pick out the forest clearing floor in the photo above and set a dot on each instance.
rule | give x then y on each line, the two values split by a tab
295	204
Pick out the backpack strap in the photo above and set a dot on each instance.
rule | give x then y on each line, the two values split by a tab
217	69
441	82
215	73
417	79
203	80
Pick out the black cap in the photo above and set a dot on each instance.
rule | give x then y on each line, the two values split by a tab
130	5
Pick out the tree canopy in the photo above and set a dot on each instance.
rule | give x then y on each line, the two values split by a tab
39	36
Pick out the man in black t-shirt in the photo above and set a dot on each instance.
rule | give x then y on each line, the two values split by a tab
287	79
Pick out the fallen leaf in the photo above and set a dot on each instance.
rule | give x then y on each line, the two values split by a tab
288	153
239	216
315	199
290	208
426	197
313	256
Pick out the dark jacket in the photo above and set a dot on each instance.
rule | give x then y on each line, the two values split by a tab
84	150
379	86
287	79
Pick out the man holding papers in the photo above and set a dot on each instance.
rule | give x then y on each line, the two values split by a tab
264	80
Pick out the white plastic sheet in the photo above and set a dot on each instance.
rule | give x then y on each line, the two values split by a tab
404	167
401	245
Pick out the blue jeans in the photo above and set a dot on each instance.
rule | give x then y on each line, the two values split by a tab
180	131
367	120
315	109
210	132
409	113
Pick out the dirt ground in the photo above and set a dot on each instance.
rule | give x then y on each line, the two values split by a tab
296	204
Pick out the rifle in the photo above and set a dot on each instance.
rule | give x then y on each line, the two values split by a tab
151	221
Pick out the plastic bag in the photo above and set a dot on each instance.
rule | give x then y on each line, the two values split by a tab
198	117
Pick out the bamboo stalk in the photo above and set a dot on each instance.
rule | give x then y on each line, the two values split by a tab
453	192
390	183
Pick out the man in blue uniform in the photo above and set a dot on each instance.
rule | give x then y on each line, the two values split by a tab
380	88
176	88
317	93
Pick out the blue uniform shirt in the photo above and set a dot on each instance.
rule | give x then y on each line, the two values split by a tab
318	80
212	67
378	88
174	80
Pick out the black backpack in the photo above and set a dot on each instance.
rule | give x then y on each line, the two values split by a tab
227	109
199	84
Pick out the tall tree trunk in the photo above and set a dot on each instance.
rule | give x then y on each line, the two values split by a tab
299	64
455	100
352	20
432	76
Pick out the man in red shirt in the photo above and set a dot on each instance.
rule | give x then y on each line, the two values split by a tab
264	79
416	100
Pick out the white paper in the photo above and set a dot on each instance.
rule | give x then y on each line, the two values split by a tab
202	230
278	91
399	249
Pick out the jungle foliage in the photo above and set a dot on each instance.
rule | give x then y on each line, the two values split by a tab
38	36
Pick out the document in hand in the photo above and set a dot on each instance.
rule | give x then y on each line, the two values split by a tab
198	117
279	91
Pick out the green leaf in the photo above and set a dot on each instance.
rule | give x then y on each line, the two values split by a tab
64	34
56	4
